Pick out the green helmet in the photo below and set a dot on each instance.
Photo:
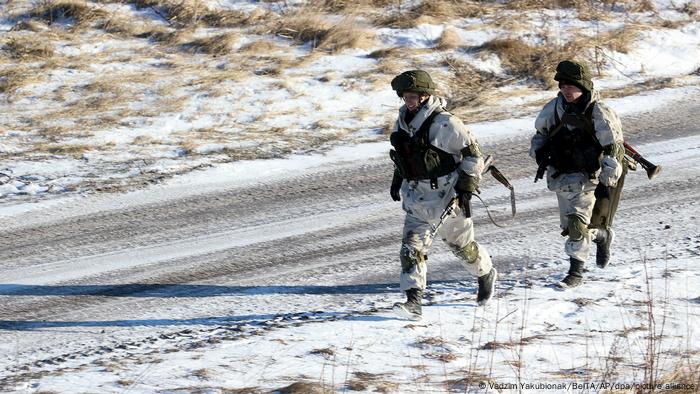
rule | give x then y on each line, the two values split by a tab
576	73
417	81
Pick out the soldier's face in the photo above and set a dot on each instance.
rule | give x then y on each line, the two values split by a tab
413	100
571	93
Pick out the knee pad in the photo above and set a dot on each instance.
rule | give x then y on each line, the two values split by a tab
410	257
577	228
468	253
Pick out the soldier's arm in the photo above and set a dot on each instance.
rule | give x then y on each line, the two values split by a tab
608	131
466	148
544	122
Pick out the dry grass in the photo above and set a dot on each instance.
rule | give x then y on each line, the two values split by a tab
449	39
349	7
449	9
30	25
618	40
691	8
435	11
535	63
78	10
14	78
685	378
369	382
302	27
388	53
217	45
305	388
467	84
539	4
192	13
73	150
325	352
346	35
202	373
258	47
28	47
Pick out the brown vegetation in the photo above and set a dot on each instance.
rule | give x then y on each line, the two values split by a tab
28	47
346	35
79	10
216	45
449	39
435	11
306	388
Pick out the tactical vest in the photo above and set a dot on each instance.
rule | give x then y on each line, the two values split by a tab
416	158
576	149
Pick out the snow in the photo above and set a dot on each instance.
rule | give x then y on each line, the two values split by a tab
531	333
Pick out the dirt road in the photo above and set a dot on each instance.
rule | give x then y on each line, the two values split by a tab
146	275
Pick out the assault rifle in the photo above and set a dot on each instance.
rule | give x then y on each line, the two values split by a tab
631	154
651	168
452	205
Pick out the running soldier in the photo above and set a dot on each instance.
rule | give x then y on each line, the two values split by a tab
580	144
436	159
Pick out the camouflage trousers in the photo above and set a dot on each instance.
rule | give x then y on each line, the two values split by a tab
576	200
423	208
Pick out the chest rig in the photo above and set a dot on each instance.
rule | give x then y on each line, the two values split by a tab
575	149
416	158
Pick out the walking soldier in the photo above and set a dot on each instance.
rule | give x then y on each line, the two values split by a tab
436	159
580	144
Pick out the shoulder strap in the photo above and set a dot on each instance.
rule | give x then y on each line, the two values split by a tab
587	118
423	131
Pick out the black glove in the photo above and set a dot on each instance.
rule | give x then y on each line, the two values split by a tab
395	190
541	155
466	185
602	191
464	201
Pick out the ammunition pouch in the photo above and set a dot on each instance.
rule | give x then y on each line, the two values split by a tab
415	158
576	151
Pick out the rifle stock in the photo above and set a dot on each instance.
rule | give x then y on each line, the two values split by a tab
652	169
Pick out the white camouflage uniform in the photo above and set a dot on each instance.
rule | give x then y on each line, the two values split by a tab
575	191
424	205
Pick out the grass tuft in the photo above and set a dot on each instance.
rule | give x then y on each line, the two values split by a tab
54	10
28	47
217	45
346	35
306	388
449	39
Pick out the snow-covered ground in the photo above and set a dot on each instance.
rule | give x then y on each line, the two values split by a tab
109	111
643	308
638	316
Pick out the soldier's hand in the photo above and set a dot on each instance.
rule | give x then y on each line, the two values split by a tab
540	156
610	171
464	201
395	189
602	191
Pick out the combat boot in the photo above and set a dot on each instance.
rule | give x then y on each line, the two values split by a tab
487	286
602	253
411	309
575	276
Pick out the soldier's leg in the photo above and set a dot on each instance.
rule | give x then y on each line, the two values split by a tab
575	213
413	257
575	209
458	233
413	254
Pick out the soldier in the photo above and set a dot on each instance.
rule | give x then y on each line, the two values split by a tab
436	158
579	141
